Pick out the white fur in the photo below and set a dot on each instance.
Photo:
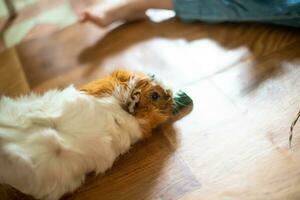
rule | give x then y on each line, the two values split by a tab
48	143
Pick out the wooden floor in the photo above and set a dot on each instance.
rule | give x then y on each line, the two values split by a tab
245	83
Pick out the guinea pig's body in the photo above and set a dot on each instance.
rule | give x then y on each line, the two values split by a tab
49	143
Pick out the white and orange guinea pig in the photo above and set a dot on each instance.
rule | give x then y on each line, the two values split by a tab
49	142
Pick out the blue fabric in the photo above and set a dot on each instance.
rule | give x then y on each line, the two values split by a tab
283	12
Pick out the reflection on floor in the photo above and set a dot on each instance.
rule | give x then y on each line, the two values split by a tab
244	79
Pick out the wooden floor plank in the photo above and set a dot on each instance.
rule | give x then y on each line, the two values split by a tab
12	79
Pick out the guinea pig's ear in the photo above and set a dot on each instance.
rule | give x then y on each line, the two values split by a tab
133	100
152	77
140	84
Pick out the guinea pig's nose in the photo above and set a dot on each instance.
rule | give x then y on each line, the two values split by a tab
167	97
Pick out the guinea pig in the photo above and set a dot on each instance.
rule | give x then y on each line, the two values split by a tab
141	95
49	142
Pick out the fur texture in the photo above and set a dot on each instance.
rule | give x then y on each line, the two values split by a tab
49	142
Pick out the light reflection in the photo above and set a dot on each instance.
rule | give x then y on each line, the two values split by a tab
178	61
159	15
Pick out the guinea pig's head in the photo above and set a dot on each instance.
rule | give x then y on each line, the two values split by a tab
149	101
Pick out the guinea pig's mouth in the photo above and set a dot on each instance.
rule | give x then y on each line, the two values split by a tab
181	101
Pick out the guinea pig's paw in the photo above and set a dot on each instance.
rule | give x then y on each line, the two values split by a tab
133	100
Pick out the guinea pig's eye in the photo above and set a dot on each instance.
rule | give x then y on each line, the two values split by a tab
154	96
